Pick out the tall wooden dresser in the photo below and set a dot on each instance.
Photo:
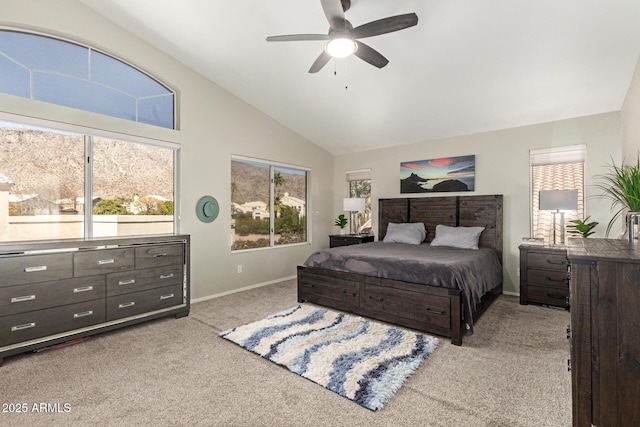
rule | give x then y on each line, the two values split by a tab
56	291
605	332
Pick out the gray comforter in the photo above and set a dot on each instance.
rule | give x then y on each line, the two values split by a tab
474	272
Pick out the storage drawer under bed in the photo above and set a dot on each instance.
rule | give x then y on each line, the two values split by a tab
406	304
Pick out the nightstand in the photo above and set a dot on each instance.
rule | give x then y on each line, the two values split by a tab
544	276
348	239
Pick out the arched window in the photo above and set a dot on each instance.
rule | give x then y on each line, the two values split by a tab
64	73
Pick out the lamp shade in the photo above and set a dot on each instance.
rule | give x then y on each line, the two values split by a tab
353	204
554	200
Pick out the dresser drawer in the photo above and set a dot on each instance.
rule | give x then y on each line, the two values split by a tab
407	304
158	255
141	302
547	261
553	278
546	295
38	324
93	262
18	270
36	296
140	280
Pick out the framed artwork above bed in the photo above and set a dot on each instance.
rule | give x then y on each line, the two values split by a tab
445	174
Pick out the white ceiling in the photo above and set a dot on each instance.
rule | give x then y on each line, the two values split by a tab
469	66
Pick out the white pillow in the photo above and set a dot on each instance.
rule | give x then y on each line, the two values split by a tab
410	232
457	237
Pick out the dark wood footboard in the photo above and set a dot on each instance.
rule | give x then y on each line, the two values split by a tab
425	308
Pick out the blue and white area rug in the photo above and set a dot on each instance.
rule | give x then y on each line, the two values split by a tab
360	359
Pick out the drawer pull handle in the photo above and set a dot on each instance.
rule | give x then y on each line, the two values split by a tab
36	268
83	289
159	255
166	276
24	326
353	294
376	299
168	296
307	285
23	298
555	296
127	304
126	282
549	278
83	314
106	261
430	310
556	263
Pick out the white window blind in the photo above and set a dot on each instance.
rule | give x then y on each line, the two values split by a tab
558	168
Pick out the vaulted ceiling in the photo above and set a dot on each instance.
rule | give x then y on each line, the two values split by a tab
469	66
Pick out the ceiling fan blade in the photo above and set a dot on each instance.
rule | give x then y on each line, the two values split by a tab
297	37
370	55
385	25
320	62
334	13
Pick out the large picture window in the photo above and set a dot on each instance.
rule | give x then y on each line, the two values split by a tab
43	191
268	204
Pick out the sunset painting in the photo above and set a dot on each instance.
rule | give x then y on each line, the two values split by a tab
438	175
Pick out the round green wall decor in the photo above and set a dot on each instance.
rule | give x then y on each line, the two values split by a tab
207	209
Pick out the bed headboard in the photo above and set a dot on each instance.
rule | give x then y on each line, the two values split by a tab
466	211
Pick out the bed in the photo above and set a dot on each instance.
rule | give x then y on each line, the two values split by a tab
444	299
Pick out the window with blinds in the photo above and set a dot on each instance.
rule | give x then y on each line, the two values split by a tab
559	168
360	186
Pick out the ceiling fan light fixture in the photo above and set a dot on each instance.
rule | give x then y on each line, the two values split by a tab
341	46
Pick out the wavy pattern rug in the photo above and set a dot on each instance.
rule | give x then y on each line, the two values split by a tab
360	359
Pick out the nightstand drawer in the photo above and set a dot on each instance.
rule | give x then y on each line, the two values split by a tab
547	261
553	278
349	239
549	296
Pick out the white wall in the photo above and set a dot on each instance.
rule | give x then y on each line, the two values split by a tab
213	125
502	167
631	119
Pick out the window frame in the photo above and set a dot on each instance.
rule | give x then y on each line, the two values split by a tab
89	48
88	133
361	175
272	169
568	154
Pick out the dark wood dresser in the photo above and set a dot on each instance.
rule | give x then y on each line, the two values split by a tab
605	332
56	291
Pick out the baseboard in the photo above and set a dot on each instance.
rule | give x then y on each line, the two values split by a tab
513	294
246	288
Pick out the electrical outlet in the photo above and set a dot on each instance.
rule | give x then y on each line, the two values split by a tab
518	271
239	268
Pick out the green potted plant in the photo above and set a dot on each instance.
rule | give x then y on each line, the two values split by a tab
341	222
579	227
622	186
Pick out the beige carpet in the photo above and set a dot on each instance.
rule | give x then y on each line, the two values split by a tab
511	372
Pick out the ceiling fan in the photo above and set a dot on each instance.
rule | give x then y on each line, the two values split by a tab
342	38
